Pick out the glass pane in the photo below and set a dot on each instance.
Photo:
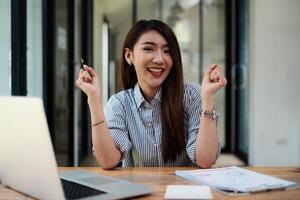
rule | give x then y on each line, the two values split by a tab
118	20
77	93
214	50
34	48
149	9
61	76
242	86
183	18
5	48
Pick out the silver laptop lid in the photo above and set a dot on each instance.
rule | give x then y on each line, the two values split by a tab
27	161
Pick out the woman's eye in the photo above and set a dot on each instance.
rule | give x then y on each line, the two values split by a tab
167	51
147	49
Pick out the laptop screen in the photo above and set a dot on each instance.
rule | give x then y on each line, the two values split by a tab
27	161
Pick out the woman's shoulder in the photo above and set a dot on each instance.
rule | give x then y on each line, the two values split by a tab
120	98
191	87
117	105
120	95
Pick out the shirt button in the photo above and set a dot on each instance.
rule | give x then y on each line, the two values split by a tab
140	109
149	124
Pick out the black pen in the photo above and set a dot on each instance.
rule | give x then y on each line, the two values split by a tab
82	63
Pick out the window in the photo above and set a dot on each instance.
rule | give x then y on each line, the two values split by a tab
5	48
34	48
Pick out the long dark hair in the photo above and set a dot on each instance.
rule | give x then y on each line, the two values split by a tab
172	111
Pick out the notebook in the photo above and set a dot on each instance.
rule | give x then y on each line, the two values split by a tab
27	161
188	192
235	180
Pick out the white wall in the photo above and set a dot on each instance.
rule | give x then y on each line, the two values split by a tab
274	83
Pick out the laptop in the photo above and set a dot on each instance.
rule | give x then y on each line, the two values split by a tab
27	161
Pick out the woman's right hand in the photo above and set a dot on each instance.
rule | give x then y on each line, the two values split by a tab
88	82
106	152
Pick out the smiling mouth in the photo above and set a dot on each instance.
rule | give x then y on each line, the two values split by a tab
155	71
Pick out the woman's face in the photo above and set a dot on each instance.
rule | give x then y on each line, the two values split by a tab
152	61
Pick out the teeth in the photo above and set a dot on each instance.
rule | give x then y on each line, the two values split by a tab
156	69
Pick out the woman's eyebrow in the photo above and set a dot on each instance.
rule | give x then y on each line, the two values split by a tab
153	44
148	43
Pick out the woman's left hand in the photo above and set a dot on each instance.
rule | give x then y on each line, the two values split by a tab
213	80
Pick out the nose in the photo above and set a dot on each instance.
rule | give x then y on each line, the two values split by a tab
158	58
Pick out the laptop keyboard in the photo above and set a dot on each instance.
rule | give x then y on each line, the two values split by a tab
75	191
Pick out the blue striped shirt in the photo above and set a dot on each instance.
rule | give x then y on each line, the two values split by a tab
135	127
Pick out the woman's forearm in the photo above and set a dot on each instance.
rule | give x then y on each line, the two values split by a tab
106	153
207	143
207	140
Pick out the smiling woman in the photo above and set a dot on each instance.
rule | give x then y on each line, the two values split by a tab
155	119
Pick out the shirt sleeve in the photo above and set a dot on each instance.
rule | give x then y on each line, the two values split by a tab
193	110
115	116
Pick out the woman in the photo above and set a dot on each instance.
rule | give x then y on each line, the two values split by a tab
157	119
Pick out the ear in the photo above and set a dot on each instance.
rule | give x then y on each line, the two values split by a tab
128	56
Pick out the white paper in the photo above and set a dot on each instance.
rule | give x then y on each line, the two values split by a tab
235	179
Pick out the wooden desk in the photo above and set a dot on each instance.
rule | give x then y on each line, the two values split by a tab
159	178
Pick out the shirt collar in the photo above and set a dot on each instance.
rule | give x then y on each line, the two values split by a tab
139	98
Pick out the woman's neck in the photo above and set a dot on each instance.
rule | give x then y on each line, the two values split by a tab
149	93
